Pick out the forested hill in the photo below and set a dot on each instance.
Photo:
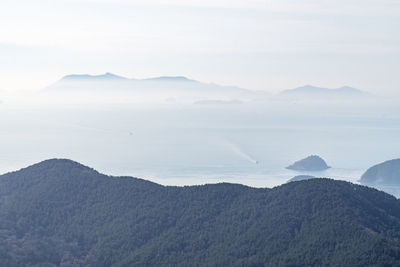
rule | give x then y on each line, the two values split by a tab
61	213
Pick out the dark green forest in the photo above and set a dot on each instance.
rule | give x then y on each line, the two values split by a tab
61	213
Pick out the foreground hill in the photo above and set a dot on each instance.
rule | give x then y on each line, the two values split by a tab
59	212
386	173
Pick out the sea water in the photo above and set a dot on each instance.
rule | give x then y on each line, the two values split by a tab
248	143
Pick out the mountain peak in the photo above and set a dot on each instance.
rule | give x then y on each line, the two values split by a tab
58	165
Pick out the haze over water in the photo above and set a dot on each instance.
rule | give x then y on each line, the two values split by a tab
184	143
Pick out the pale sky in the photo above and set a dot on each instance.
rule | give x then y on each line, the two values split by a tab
257	44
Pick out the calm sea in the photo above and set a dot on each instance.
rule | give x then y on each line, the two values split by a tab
249	144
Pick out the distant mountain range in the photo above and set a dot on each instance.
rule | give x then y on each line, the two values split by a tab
86	77
82	81
178	88
113	77
164	87
61	213
304	90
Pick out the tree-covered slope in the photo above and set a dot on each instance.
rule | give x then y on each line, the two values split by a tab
59	212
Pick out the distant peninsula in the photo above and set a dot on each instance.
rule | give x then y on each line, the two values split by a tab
386	173
310	163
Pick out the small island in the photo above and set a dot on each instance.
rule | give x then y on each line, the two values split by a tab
301	178
311	163
386	173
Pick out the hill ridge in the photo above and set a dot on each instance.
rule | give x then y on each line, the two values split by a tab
56	212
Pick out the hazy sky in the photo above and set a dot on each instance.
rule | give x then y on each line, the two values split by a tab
257	44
